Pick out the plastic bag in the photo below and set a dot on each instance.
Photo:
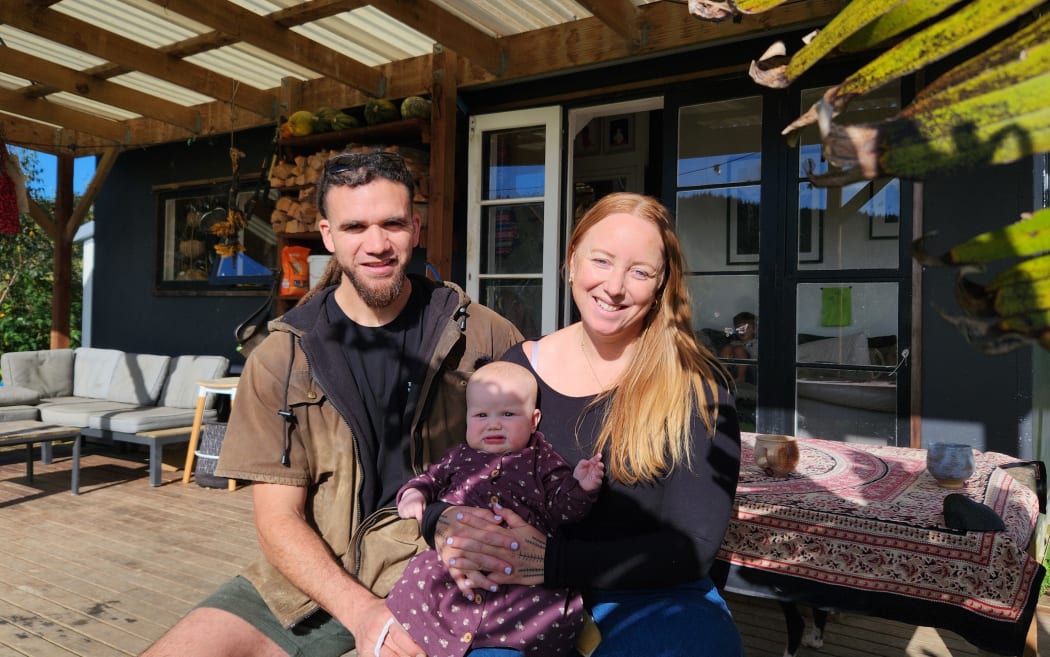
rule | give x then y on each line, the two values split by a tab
295	271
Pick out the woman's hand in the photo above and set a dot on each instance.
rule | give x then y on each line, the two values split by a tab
480	553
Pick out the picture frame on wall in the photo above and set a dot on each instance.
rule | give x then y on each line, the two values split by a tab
588	140
810	236
742	231
619	133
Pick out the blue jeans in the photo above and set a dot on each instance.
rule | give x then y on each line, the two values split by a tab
688	620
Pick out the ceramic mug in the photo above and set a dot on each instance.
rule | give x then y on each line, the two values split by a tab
950	464
776	454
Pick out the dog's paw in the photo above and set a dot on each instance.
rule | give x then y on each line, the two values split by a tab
788	653
813	637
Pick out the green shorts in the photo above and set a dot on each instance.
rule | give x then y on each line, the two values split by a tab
320	635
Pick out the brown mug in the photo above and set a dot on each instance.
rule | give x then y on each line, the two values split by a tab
776	454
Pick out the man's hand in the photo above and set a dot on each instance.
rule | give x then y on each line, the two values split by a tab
589	473
373	634
411	505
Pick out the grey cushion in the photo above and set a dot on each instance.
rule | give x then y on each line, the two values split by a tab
144	419
48	371
14	395
184	372
78	414
12	413
138	379
93	371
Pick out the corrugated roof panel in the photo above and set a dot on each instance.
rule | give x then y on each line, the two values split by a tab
47	50
511	16
145	23
87	106
369	36
12	82
254	66
161	88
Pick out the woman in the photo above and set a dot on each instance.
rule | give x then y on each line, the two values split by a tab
629	381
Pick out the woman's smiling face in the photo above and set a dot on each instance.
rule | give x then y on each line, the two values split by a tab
616	270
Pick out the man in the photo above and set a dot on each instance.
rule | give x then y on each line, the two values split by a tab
352	393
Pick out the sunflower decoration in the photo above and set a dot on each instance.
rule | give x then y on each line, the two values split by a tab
229	230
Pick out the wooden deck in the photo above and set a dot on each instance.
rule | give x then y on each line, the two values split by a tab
104	573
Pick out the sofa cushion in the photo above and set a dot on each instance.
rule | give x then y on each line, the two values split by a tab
12	413
144	419
14	395
48	371
93	370
138	379
184	372
78	414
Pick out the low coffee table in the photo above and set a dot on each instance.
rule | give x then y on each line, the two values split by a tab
29	432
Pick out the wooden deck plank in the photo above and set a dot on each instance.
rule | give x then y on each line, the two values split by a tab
105	573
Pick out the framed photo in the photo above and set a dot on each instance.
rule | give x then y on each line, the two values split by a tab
742	230
588	141
810	235
884	223
619	133
185	245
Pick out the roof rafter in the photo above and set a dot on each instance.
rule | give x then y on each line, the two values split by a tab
76	82
263	32
448	30
127	55
621	16
48	112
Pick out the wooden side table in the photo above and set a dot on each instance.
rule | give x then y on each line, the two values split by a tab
224	386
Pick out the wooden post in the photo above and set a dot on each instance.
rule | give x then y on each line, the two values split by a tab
62	263
442	161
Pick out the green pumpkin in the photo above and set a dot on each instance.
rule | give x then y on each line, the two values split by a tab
380	110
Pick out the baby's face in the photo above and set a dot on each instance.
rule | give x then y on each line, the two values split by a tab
500	417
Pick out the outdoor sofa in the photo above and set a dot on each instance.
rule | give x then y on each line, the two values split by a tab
111	395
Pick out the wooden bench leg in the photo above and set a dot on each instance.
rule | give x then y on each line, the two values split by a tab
195	433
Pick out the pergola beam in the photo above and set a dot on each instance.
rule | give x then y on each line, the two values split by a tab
621	16
263	32
76	82
127	55
53	113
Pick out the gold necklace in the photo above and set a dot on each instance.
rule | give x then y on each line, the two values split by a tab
587	359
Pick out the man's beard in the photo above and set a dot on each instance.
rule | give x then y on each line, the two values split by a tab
379	297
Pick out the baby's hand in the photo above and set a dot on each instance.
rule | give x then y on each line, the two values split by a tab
411	505
589	473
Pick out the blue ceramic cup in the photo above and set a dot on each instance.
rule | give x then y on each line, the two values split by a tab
950	464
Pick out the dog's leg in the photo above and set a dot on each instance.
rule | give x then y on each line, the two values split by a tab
814	635
795	626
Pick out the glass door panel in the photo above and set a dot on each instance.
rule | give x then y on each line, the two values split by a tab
847	361
512	246
856	226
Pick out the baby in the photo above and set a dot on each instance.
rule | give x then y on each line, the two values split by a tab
505	461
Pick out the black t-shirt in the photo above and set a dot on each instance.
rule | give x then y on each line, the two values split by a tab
387	366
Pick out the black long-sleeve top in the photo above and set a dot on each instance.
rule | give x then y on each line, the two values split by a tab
648	535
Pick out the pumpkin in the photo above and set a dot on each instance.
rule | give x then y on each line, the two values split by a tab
415	107
380	110
301	123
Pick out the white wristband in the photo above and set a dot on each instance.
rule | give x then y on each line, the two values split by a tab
382	636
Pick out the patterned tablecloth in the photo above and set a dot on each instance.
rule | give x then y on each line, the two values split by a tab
860	527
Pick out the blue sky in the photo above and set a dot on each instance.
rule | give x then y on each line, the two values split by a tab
83	169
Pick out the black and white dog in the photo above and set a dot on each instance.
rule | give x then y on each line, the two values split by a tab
800	630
